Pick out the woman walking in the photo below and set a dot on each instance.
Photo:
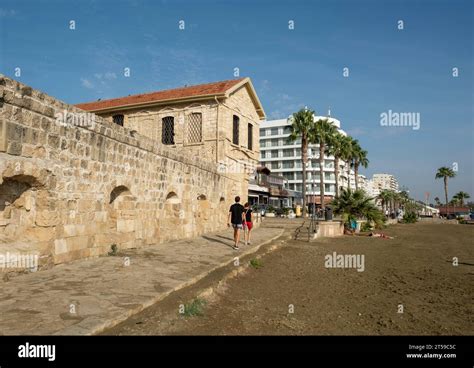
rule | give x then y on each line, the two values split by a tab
247	221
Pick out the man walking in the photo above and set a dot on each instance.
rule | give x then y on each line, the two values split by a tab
235	218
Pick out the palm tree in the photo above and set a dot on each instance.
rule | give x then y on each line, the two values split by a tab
386	196
322	133
338	147
404	196
301	124
461	196
353	205
445	173
348	157
454	202
360	159
438	202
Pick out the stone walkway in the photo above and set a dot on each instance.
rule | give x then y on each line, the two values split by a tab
85	297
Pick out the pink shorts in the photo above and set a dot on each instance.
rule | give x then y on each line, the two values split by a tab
249	225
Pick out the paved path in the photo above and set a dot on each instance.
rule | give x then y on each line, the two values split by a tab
85	297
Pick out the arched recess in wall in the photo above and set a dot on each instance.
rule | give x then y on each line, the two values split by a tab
173	215
21	199
122	213
172	198
222	210
11	190
203	213
117	191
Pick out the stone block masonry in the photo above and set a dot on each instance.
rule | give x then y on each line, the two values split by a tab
70	190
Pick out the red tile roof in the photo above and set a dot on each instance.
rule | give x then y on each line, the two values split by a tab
209	89
453	209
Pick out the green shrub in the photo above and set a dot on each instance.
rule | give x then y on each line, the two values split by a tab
194	308
409	218
256	263
353	205
365	226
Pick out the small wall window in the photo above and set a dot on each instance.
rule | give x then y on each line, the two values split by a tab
235	130
118	119
194	131
250	136
167	130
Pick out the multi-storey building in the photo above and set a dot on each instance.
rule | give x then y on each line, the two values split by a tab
384	182
282	156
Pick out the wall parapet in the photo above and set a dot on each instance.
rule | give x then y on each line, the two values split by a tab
21	96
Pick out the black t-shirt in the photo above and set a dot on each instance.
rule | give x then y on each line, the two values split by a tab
236	210
248	215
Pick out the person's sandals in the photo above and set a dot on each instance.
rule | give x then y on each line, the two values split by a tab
235	247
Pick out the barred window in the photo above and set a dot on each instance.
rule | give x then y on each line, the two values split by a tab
118	119
250	136
167	130
235	130
194	124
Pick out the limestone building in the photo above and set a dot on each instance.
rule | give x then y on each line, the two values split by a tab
216	122
132	171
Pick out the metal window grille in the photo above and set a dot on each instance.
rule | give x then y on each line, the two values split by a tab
250	136
118	119
167	130
235	130
194	128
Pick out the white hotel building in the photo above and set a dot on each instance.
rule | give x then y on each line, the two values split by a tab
384	182
284	157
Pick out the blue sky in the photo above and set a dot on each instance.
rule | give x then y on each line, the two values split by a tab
407	70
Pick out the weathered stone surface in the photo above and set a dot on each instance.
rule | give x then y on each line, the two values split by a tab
47	218
82	188
60	246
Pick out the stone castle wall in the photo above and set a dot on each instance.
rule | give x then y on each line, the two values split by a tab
69	192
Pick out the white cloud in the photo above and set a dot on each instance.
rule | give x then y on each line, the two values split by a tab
99	81
105	76
110	76
87	83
